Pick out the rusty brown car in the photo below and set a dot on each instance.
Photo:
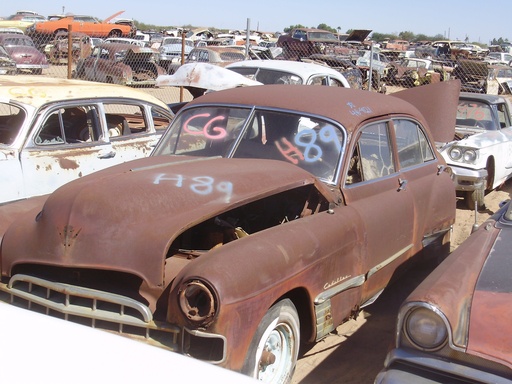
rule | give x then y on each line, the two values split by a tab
260	221
120	63
455	327
58	50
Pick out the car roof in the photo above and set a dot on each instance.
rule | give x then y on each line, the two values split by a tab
300	68
37	91
491	99
348	106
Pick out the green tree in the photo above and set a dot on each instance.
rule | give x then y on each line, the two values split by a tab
325	27
406	35
292	27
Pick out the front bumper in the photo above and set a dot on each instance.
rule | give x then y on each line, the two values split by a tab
404	367
466	179
113	313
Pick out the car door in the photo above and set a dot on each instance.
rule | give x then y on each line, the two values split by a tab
69	143
89	64
424	178
376	189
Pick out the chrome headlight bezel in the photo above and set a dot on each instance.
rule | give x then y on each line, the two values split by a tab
198	302
425	328
463	155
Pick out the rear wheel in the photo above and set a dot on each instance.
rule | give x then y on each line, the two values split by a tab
273	352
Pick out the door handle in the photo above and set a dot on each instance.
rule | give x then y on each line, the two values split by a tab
402	184
106	154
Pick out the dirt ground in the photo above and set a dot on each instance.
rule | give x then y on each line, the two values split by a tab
357	352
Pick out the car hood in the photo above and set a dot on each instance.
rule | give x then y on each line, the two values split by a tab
438	105
491	305
473	289
204	76
125	217
359	35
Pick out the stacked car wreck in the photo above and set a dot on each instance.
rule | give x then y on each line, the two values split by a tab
258	222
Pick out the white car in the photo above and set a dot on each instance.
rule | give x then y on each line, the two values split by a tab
498	58
171	48
47	341
289	72
480	155
53	131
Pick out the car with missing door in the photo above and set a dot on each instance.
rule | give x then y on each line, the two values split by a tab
120	63
260	221
455	326
55	130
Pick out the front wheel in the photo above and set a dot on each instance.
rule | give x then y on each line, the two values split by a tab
476	196
273	352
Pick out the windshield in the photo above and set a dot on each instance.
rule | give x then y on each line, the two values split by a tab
474	114
268	76
308	142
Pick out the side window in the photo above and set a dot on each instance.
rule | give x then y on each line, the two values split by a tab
372	157
412	145
125	120
11	120
70	125
503	116
318	80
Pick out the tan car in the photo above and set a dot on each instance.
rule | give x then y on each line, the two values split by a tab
53	131
21	20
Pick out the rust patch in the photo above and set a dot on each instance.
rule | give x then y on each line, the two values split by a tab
68	164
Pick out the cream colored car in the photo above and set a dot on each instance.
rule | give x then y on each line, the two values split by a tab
53	131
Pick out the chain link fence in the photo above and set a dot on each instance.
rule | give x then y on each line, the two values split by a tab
388	66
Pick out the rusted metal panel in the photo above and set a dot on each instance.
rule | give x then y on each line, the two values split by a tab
293	219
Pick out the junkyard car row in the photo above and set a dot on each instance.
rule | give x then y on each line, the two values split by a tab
260	218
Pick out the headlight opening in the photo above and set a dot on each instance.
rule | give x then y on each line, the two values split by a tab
425	329
197	302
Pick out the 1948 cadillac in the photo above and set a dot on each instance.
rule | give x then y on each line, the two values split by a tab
266	216
455	326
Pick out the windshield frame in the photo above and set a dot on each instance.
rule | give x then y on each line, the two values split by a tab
314	143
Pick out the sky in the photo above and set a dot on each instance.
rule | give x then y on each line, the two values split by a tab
477	20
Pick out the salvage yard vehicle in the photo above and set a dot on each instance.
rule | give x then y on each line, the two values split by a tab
455	326
21	20
216	55
54	130
22	50
57	50
259	221
482	77
289	72
413	72
480	154
91	26
304	42
171	50
76	347
7	64
124	64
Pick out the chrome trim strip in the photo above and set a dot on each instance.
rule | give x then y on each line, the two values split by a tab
388	261
351	283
